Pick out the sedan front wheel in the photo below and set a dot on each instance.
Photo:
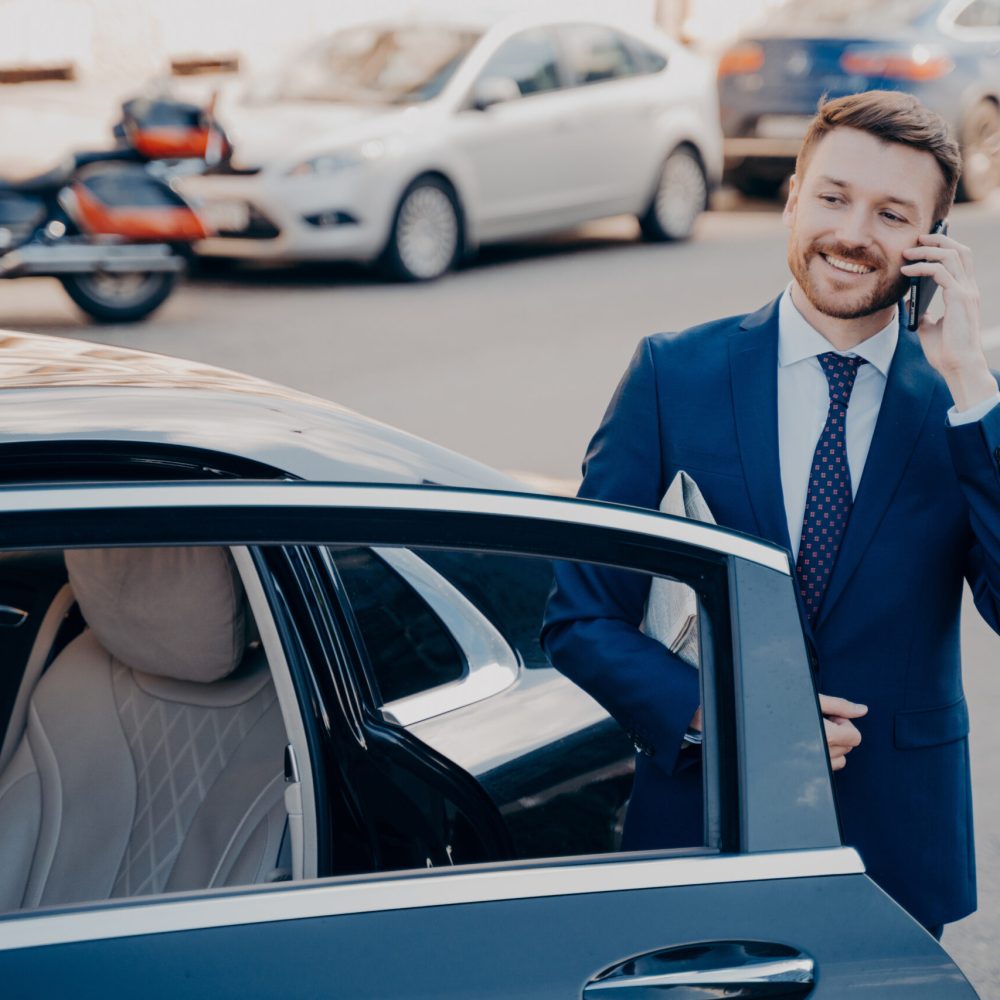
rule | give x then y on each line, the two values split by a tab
426	235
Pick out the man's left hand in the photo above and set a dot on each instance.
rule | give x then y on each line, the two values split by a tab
953	344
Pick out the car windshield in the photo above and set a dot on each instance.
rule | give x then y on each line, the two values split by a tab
369	64
860	14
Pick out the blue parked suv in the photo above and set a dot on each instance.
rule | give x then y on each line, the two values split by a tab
946	52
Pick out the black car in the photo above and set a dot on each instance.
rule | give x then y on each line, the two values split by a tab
278	724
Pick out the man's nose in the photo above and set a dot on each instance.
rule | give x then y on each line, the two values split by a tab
855	228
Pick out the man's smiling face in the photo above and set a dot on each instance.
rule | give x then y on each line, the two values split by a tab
859	205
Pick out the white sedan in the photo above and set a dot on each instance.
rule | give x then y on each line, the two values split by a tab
411	144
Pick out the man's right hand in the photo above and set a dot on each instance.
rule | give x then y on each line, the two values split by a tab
842	735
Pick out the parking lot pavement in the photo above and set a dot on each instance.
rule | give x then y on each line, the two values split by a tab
513	360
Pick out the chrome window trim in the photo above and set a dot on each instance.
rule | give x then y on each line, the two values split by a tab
492	664
453	887
305	839
292	494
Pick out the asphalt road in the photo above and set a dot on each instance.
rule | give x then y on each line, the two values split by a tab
512	361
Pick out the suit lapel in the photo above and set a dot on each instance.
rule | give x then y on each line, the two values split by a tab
753	360
908	392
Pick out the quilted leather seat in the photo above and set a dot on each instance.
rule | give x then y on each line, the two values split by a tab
152	756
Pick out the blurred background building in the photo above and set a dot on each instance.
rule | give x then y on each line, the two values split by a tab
67	63
104	40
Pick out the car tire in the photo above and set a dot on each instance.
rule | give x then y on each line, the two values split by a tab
426	237
210	267
980	142
119	298
681	195
755	185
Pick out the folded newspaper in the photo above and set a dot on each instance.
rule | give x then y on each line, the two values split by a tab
672	607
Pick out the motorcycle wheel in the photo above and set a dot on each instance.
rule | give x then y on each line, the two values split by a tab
119	298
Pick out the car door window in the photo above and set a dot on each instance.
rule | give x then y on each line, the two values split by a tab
409	648
558	768
649	60
980	14
509	591
530	769
596	54
530	59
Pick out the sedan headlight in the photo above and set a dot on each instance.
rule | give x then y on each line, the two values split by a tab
344	159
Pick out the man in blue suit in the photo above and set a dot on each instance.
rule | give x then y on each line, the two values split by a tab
822	424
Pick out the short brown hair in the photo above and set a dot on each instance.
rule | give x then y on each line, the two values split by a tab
890	116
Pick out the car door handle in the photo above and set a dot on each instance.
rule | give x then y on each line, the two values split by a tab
743	969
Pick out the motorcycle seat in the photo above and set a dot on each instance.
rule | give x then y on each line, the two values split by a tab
51	180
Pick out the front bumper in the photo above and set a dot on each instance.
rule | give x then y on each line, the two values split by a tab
350	215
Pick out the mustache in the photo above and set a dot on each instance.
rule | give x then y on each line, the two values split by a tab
856	255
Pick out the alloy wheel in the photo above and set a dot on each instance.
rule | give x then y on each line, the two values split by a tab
981	152
681	196
427	232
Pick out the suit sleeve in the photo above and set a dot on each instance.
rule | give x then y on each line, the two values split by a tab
975	452
591	629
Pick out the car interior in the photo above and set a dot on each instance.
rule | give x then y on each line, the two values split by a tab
145	740
152	741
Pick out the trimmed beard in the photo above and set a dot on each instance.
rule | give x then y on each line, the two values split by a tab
886	293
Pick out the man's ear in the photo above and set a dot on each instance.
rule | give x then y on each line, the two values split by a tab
788	214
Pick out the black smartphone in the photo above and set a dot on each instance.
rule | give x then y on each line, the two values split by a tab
922	289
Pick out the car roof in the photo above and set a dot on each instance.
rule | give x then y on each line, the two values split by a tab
880	21
57	389
503	21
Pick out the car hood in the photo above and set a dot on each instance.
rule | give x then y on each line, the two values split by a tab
266	133
58	389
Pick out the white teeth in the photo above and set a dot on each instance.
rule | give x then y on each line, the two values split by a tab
846	265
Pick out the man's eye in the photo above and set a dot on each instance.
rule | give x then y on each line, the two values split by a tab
892	217
830	199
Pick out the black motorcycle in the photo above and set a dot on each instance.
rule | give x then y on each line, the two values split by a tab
107	223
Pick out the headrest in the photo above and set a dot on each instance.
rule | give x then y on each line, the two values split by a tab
176	612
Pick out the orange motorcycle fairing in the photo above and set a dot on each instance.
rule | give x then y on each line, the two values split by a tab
167	142
171	223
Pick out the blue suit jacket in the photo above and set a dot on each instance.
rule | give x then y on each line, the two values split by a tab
926	517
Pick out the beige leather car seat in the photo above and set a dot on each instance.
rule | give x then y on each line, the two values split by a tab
152	755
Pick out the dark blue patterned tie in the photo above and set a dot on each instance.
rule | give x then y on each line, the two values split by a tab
828	501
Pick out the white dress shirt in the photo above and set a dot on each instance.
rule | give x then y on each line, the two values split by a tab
804	401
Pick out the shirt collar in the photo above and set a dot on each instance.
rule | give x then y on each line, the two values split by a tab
798	340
